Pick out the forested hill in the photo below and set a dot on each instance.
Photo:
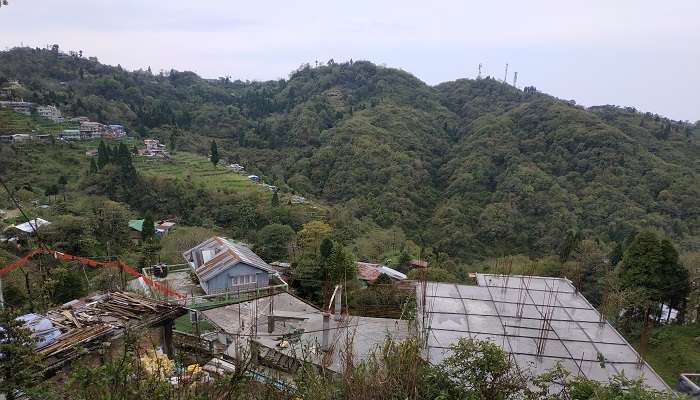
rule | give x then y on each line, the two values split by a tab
471	168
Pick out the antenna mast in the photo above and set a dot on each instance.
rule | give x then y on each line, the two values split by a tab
515	79
479	76
505	77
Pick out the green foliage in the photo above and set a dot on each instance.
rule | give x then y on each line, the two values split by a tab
311	236
392	371
148	230
383	279
180	239
150	249
214	153
51	190
340	265
273	242
326	248
432	274
476	370
69	284
620	388
19	364
102	155
673	349
275	200
652	264
470	168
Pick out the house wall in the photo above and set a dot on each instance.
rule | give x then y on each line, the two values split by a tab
223	281
112	350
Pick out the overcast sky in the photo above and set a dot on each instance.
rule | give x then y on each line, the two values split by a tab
639	53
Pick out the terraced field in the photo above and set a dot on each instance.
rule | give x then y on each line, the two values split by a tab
196	168
12	122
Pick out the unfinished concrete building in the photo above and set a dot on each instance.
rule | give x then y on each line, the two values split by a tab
538	321
282	331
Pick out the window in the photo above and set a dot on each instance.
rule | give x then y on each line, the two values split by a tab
243	280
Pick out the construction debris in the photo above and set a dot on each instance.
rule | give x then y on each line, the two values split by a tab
87	324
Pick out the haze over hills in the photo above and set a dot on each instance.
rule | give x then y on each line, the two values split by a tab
471	168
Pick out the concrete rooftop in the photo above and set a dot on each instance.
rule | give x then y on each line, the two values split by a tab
510	311
362	335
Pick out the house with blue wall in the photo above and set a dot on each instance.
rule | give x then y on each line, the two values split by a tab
222	265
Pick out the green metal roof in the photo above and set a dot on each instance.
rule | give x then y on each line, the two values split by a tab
136	224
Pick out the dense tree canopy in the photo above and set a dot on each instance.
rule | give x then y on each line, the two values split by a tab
652	264
470	168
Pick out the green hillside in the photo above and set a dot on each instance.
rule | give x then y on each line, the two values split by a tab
12	122
196	169
470	168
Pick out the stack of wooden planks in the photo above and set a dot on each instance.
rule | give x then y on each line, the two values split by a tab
86	324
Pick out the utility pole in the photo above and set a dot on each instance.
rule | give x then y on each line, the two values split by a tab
505	77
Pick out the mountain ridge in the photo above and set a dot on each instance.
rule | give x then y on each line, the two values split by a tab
471	168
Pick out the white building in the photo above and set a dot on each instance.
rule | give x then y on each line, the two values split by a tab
50	112
26	228
23	107
18	137
69	134
154	147
91	130
236	167
116	130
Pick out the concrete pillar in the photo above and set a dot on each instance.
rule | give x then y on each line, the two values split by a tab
270	323
338	306
325	346
167	335
254	356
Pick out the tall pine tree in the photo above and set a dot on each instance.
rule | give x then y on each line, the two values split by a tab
102	155
148	230
652	264
214	153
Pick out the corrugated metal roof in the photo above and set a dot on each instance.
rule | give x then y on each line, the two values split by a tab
42	329
30	226
419	263
136	224
370	272
226	254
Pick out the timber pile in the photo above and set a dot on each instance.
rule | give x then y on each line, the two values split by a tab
114	308
86	324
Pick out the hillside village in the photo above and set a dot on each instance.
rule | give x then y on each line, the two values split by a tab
77	128
160	261
222	305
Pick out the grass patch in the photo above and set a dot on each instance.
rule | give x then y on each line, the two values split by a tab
673	350
183	324
196	169
13	122
182	238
